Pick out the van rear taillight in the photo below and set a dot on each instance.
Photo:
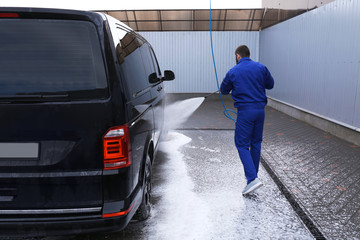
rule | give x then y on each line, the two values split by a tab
9	15
117	148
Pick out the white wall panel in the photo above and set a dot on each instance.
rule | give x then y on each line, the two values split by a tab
315	60
188	54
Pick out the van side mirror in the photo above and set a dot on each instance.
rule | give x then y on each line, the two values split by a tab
168	75
153	78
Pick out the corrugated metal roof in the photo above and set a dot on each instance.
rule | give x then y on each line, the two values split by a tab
199	20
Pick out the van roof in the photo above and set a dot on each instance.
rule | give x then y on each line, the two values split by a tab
52	13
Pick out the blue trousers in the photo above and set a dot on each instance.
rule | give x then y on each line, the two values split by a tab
248	138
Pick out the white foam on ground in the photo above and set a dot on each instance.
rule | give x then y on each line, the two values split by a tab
183	215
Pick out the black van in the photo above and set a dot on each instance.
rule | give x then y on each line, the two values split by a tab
81	115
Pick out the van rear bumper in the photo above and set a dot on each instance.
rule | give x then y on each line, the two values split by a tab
89	220
63	228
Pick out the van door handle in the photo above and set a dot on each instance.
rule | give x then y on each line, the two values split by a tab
159	88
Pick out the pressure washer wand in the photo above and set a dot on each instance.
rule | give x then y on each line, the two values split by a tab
211	94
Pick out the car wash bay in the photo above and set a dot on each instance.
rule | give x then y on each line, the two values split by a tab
198	179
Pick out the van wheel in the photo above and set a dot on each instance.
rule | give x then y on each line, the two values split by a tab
144	209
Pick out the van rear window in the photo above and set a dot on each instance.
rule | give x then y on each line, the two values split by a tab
51	57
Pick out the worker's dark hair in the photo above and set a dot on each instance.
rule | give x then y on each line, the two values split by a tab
243	51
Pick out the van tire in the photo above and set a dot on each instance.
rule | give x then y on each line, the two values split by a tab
144	209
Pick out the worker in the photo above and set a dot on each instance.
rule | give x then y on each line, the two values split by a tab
247	82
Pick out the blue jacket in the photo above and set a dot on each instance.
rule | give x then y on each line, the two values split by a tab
247	82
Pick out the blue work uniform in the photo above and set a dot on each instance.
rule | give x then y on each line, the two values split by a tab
247	82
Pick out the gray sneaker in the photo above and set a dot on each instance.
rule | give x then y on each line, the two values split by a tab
255	184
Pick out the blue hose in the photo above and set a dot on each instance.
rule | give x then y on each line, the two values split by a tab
226	111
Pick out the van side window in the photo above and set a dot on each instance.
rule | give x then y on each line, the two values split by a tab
153	57
148	61
129	53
